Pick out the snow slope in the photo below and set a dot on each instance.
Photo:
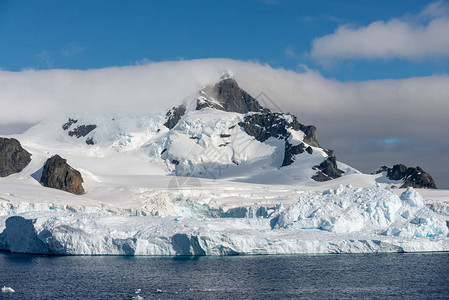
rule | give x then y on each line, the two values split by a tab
204	187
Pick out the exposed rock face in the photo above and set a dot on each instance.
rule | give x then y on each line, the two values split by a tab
82	130
13	158
79	131
174	115
291	152
262	126
311	136
90	141
328	169
59	175
417	178
412	177
69	123
265	125
228	96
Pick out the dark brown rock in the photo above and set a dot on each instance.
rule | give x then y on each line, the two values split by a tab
13	158
59	175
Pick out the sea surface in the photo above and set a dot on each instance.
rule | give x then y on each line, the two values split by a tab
339	276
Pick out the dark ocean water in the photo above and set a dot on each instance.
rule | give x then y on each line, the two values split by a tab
373	276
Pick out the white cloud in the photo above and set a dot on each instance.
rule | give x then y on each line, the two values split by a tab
72	50
46	57
344	112
290	52
408	38
439	9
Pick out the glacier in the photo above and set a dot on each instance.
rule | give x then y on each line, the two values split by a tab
207	187
340	220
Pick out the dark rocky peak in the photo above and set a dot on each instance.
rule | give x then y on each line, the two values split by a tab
58	174
260	122
174	115
228	96
13	158
411	177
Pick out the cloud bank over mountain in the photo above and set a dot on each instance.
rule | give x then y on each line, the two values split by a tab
393	120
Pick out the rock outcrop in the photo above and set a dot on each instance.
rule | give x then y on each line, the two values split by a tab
174	115
69	123
411	177
59	175
291	152
13	158
82	130
328	169
265	125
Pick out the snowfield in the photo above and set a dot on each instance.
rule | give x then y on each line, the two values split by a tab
205	187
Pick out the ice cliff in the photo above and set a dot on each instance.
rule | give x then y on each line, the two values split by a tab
342	220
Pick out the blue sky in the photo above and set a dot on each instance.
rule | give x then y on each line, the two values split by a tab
85	34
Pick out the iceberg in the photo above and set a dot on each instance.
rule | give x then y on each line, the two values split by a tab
7	290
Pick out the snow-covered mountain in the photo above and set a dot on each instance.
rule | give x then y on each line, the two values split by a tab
212	172
220	132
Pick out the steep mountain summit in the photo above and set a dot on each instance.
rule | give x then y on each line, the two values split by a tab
251	119
228	96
